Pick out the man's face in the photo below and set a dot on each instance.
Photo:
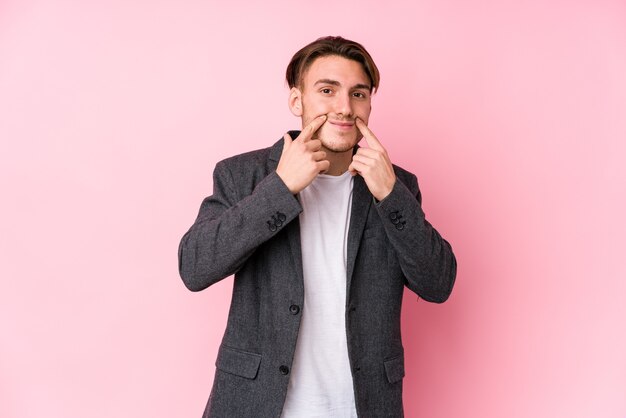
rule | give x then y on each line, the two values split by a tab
339	88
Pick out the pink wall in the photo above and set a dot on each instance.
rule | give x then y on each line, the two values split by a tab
112	116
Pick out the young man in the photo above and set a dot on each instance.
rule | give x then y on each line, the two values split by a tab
322	236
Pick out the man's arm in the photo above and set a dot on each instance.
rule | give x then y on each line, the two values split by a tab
426	259
230	227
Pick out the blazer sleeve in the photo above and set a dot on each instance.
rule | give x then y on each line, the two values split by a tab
426	259
229	227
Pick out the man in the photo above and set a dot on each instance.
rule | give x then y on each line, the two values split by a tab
322	236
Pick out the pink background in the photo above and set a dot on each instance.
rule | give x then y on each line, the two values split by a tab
113	114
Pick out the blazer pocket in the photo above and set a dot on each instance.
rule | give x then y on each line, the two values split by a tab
394	368
238	362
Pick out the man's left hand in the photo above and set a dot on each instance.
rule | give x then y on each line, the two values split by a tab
373	164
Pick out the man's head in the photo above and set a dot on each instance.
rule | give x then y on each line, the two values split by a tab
335	77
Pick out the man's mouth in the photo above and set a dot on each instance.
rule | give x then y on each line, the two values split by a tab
343	125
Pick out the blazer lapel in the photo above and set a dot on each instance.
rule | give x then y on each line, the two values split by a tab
293	229
361	203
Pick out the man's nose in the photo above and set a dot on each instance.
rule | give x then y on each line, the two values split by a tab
343	105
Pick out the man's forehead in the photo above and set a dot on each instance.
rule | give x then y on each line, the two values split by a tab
336	70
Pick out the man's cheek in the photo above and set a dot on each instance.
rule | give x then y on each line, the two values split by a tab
326	128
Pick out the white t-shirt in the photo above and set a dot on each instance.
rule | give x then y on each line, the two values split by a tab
320	384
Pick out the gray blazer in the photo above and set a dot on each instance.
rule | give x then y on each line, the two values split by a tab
249	227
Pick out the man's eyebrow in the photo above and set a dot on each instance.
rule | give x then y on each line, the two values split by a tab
327	81
337	83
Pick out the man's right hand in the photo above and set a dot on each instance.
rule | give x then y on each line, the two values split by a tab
302	159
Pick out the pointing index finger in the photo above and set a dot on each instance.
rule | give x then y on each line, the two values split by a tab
369	136
311	128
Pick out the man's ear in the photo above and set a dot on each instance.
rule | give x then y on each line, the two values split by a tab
295	101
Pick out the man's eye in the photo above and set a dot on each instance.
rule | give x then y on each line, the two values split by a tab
326	91
359	95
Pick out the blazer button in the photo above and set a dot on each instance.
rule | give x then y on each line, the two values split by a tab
272	227
284	370
294	309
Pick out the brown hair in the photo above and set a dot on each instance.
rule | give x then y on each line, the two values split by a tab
331	45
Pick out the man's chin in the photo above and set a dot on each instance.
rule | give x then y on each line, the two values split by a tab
338	144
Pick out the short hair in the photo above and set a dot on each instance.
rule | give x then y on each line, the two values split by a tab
331	45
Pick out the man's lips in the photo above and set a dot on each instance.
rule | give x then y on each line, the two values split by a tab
341	124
